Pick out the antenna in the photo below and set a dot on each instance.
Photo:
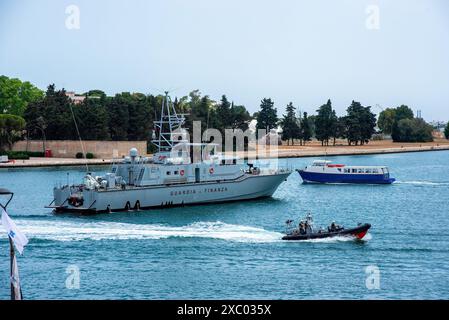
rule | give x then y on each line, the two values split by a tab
79	136
169	121
379	107
418	114
207	122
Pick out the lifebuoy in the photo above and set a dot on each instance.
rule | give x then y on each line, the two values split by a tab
211	170
181	172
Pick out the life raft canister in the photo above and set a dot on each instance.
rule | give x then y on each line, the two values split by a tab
76	201
211	170
181	172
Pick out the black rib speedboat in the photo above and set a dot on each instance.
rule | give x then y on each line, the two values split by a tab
305	231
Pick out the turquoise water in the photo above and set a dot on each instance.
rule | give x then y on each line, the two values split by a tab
233	251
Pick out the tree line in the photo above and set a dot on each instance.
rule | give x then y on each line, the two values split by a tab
26	111
123	117
402	125
357	126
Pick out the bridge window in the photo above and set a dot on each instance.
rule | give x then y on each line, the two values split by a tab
176	172
168	173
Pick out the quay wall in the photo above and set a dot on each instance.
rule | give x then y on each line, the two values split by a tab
69	148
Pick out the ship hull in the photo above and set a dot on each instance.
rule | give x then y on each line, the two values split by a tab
318	177
246	188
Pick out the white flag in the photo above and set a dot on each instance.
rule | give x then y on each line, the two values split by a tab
19	239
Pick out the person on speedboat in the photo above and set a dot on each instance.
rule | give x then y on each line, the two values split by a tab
302	228
334	227
307	226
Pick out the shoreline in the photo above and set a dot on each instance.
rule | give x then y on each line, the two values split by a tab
283	152
362	152
53	162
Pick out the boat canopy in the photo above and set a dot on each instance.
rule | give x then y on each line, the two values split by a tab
320	163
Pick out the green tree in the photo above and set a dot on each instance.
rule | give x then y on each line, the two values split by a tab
413	130
340	129
306	131
140	117
92	118
118	115
197	108
353	126
312	119
203	112
95	94
51	116
15	95
289	124
368	124
11	129
325	123
267	118
240	117
401	113
360	123
386	120
59	117
404	112
224	114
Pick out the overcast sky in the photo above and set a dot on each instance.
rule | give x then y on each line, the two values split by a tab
289	50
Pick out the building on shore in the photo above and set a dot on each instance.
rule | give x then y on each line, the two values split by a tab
76	98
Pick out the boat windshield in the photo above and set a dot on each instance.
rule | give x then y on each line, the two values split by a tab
320	163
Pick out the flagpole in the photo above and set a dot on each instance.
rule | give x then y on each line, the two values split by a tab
11	273
12	253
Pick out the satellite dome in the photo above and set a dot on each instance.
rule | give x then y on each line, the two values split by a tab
133	152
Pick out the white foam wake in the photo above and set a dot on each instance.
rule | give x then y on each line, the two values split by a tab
367	237
78	230
423	183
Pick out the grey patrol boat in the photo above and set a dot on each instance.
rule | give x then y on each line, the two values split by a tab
171	177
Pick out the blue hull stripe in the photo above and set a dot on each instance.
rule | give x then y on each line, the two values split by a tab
345	178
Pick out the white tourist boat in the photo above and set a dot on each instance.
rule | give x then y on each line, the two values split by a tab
323	171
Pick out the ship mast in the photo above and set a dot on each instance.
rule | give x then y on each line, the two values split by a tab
168	126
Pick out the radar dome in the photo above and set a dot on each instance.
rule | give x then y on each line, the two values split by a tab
133	152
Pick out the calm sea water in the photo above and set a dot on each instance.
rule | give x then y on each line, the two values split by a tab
233	251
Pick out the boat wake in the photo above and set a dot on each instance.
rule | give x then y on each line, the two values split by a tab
423	183
76	231
367	237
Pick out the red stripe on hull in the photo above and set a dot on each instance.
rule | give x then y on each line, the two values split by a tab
360	235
